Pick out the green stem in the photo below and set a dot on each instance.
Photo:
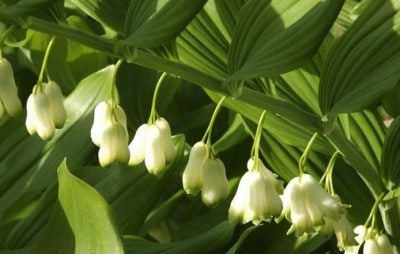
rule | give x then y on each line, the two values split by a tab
304	156
113	87
45	60
255	150
328	173
372	215
3	37
207	133
153	112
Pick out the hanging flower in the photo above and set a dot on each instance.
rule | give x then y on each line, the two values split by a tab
257	197
9	101
152	144
114	145
109	132
374	242
45	110
307	205
192	178
343	232
215	184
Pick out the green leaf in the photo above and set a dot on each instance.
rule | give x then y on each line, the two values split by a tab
88	214
274	36
152	23
361	67
107	12
211	241
390	168
242	237
234	135
25	7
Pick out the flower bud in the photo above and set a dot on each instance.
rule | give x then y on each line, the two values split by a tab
38	119
166	140
256	198
137	147
215	183
192	178
114	145
9	100
57	109
154	154
102	120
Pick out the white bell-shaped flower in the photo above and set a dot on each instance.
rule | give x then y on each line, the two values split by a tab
192	178
215	184
138	145
166	139
38	116
378	243
306	205
343	232
257	198
102	120
57	109
374	242
114	145
9	101
154	154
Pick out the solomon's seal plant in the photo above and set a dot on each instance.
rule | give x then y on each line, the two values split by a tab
201	126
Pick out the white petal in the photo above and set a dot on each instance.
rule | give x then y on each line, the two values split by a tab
154	158
384	244
344	233
371	247
137	147
8	89
29	123
41	117
102	120
57	109
114	145
241	200
166	140
192	178
215	184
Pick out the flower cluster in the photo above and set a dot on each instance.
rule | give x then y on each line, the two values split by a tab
205	173
45	110
9	101
152	144
307	205
110	133
374	241
257	197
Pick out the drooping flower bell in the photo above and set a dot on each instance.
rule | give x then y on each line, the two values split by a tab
45	110
109	132
307	205
215	184
9	101
343	232
192	178
374	241
257	197
152	144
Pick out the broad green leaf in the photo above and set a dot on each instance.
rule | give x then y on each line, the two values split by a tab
152	23
212	241
88	214
234	135
107	12
274	36
242	237
361	67
390	168
25	7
